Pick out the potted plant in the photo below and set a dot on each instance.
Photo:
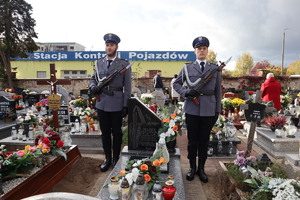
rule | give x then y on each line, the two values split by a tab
275	122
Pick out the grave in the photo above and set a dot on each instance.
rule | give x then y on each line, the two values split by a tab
142	137
88	143
44	179
32	99
159	98
143	126
64	99
276	147
6	105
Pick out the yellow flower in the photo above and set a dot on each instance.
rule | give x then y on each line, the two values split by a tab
27	147
40	146
44	150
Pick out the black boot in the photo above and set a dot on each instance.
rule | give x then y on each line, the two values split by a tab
201	173
191	174
107	163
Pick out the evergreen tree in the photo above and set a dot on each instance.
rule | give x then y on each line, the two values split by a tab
16	34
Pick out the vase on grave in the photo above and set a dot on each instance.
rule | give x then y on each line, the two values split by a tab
273	128
290	131
279	132
171	145
169	190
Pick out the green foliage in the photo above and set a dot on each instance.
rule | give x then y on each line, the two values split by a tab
237	175
294	68
125	136
243	65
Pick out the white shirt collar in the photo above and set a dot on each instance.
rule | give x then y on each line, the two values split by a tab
199	61
111	59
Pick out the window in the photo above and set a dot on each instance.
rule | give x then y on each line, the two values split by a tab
74	74
41	74
71	47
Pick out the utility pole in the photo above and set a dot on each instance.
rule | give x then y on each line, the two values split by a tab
282	59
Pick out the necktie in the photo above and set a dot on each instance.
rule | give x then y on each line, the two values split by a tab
108	63
202	66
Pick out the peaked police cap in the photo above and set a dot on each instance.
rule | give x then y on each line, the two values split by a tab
200	41
110	37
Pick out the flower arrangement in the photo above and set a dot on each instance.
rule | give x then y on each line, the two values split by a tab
93	103
43	102
146	98
236	102
9	90
17	97
252	175
50	142
149	166
171	124
154	108
38	106
227	104
28	118
275	122
268	187
285	100
19	107
13	164
79	103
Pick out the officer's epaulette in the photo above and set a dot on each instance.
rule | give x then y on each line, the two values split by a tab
211	63
188	63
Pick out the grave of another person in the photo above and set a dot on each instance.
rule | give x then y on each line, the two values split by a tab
64	99
159	98
32	99
7	107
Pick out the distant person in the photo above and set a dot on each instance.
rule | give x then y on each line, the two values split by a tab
271	90
157	81
174	94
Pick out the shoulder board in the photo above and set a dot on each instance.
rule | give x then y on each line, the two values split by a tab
188	63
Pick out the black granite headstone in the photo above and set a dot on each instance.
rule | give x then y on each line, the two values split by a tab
32	99
255	112
7	105
63	112
143	126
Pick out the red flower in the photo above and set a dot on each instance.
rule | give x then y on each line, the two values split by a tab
60	143
250	92
46	141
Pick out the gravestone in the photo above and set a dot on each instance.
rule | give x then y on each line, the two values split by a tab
64	94
63	112
159	98
143	126
136	92
32	99
6	105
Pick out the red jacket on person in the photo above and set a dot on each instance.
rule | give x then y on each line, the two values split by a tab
271	91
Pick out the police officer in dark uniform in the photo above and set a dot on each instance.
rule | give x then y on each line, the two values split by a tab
111	101
200	118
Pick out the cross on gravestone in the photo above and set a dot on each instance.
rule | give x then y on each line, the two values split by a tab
53	82
253	112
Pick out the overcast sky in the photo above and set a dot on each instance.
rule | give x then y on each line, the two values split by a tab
232	26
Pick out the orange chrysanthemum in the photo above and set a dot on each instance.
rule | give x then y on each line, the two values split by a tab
156	163
122	172
175	128
173	116
40	146
147	177
144	167
162	160
166	120
44	150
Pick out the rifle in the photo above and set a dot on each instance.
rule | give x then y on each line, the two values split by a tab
107	79
207	78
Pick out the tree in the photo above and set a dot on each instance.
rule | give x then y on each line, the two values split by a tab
243	65
211	57
294	68
16	33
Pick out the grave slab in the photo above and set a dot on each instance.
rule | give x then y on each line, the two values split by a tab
293	158
174	169
88	143
276	147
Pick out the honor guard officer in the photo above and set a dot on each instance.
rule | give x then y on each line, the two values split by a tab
111	101
200	116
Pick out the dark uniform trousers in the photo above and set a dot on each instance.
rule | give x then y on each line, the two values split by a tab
198	131
111	123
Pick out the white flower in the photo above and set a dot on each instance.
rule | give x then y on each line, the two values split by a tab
138	163
172	123
135	173
168	134
27	118
129	178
